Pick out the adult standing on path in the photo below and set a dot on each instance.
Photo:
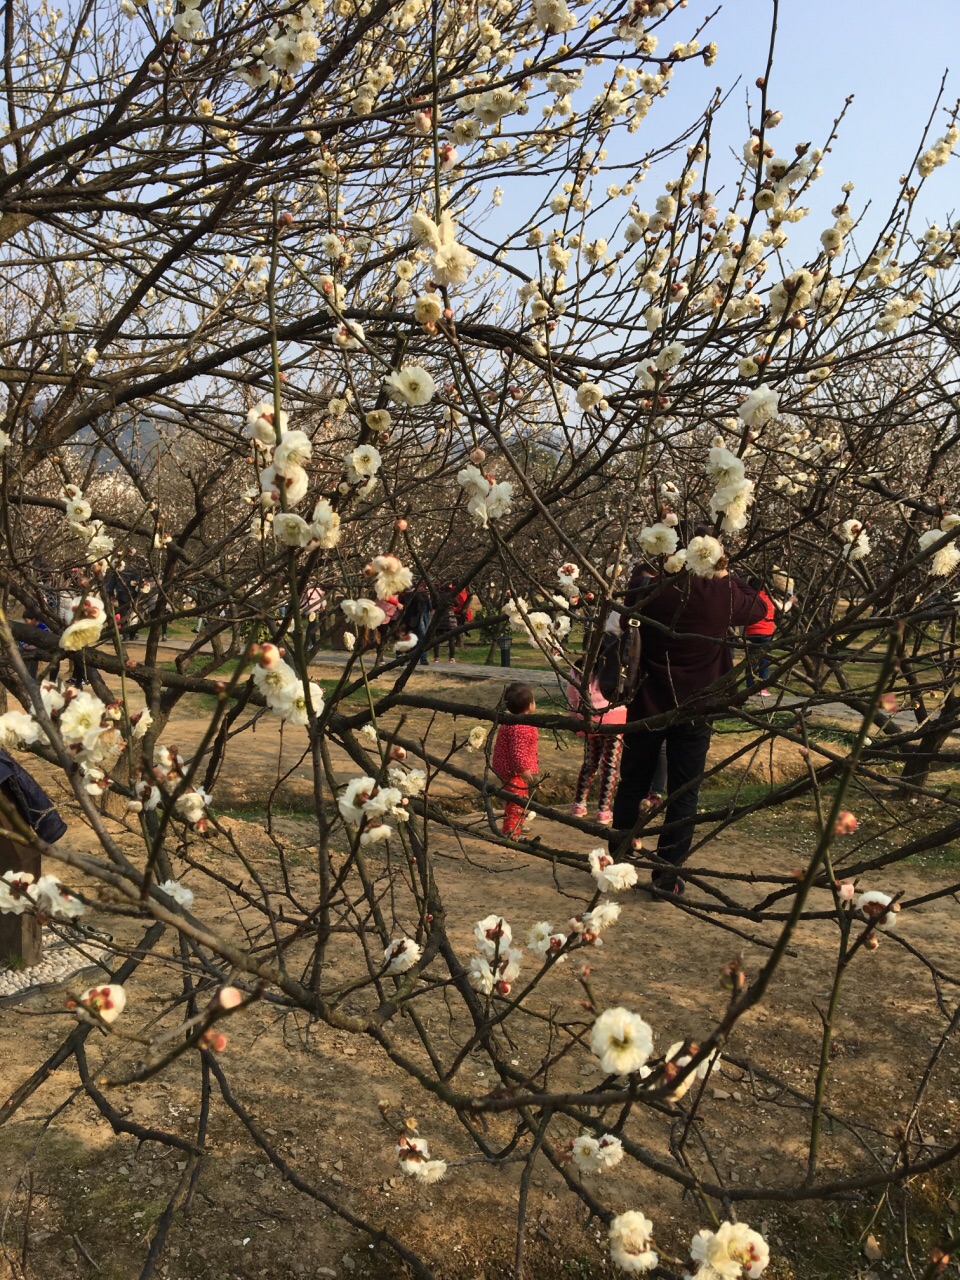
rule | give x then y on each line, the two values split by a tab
684	622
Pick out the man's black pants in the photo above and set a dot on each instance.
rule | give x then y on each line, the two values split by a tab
687	746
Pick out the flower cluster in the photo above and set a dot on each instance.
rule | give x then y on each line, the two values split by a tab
86	617
282	688
414	1155
856	543
291	43
389	576
88	727
589	925
452	262
946	557
366	805
733	1252
98	545
733	494
497	966
597	1155
611	877
487	498
46	896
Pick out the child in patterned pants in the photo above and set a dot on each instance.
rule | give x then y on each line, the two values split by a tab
601	751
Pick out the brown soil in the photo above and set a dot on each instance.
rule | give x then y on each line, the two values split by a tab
318	1093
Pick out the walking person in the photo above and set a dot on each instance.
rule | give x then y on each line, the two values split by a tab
684	620
416	613
515	756
448	622
601	751
759	638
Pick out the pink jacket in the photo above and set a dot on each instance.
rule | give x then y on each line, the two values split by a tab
603	713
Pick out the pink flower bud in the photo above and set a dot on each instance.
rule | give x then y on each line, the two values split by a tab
229	997
846	824
845	891
477	456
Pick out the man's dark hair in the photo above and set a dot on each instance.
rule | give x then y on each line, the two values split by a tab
517	698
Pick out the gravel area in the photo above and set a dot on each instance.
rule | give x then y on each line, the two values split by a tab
60	962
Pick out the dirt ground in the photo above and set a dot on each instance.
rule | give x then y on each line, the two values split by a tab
332	1102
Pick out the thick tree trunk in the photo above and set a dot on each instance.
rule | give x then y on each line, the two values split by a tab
20	936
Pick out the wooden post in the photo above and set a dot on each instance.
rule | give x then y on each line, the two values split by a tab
20	936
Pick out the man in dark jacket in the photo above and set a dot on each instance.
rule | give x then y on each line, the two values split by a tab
684	623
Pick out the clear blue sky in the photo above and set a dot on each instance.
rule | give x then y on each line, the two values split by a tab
888	54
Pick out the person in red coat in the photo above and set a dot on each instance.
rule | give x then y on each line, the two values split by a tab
515	758
759	637
686	664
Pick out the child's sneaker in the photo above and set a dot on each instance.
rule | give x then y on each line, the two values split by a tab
605	817
578	810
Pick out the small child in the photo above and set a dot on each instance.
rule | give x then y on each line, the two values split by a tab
515	759
600	751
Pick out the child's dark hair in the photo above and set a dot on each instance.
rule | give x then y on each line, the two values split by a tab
518	698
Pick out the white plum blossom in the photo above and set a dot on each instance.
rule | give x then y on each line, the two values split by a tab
390	576
106	1002
760	406
261	423
292	530
621	1040
946	558
873	904
401	954
486	499
730	1252
603	915
658	539
553	16
362	462
292	452
88	620
410	385
409	782
703	555
356	793
363	613
493	935
611	877
15	892
589	395
595	1155
544	939
17	729
325	525
178	892
629	1237
291	704
477	737
414	1156
53	900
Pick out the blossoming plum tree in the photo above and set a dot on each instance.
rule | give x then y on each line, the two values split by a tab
275	323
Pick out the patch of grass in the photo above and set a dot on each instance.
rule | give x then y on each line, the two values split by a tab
948	856
293	806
